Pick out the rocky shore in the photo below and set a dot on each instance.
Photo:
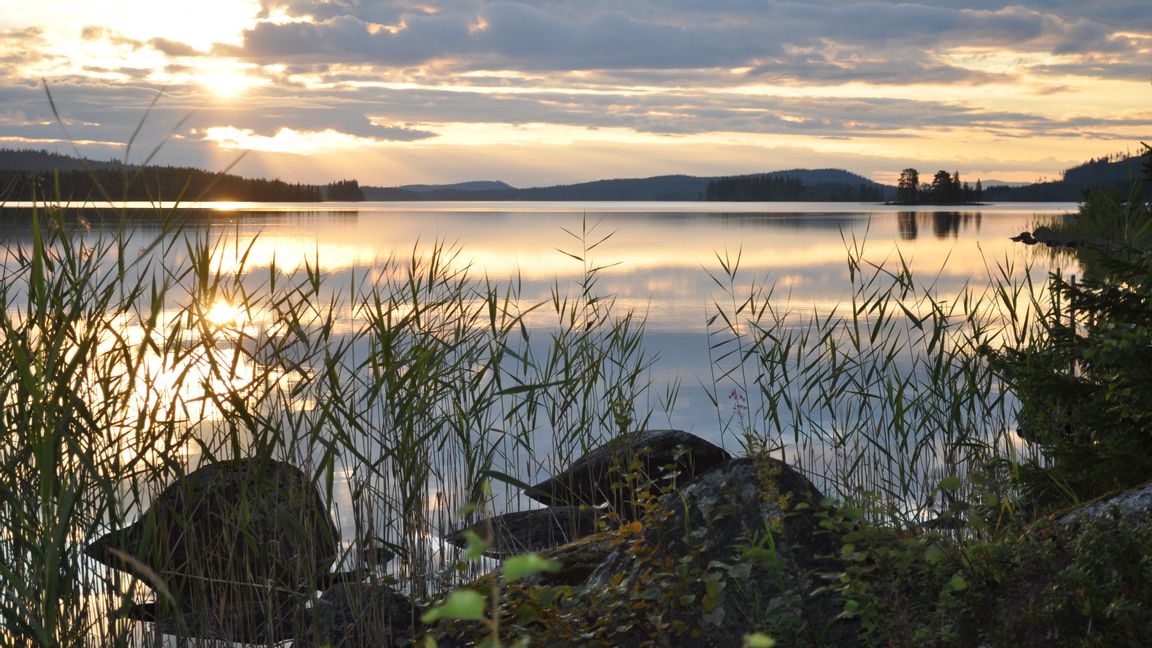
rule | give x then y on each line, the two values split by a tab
659	537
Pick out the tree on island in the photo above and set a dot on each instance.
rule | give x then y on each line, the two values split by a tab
945	189
908	187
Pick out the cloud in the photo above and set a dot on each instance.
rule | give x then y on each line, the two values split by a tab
505	34
303	142
113	37
20	47
401	75
592	35
173	48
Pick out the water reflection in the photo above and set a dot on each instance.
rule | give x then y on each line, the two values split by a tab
942	224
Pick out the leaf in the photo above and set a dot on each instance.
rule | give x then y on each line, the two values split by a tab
463	604
950	483
758	640
518	567
957	584
476	545
505	478
933	555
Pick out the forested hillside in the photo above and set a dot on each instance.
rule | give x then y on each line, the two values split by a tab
833	185
38	175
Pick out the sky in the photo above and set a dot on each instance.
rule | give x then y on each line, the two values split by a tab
542	92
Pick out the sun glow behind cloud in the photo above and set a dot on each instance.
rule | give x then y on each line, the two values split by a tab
222	78
287	140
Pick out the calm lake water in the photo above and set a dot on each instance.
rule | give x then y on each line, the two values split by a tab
658	259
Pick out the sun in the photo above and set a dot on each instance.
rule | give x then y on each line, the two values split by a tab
226	82
222	313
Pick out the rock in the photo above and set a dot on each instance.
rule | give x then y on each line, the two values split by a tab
375	554
228	542
1050	238
600	475
578	559
234	620
360	615
530	531
738	527
1133	505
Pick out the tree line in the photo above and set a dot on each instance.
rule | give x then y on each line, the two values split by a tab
150	184
945	189
769	187
23	177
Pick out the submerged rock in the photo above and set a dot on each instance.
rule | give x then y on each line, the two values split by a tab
255	620
229	548
612	472
360	615
530	531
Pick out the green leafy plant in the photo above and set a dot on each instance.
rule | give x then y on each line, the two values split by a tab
1082	383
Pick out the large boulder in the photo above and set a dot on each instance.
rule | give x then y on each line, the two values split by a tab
532	530
739	540
232	549
1133	505
613	472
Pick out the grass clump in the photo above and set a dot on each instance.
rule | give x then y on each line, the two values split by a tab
129	357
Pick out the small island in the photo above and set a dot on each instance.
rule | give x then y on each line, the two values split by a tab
945	189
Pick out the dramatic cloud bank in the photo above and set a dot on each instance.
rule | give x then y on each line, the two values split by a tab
539	91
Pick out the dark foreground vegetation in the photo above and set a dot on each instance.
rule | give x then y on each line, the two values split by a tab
163	462
1012	558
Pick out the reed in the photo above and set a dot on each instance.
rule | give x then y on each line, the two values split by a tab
132	356
882	397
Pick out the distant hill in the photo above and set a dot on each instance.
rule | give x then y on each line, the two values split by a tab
816	184
475	185
1001	183
1114	174
673	187
457	191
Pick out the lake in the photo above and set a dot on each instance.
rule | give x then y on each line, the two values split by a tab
657	257
684	270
